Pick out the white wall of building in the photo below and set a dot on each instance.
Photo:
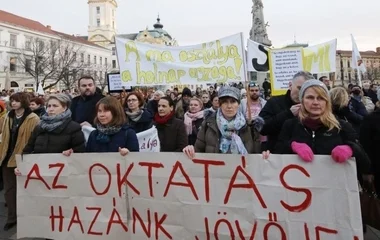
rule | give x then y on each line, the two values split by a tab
25	80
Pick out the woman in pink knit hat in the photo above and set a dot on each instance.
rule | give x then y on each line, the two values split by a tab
318	131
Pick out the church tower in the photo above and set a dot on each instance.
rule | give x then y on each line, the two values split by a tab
102	21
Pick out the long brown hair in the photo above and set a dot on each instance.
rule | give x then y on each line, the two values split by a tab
114	106
328	118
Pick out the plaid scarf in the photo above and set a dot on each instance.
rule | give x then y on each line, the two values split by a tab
104	132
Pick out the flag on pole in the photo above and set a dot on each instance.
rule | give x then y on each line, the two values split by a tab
357	62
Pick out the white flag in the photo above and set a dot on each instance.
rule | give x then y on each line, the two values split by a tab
357	62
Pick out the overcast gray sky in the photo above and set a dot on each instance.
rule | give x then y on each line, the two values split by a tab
195	21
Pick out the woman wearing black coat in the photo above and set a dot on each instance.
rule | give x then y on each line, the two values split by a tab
56	132
171	130
139	119
317	131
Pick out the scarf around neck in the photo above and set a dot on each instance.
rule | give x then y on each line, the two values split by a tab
134	116
313	124
104	132
230	140
189	118
50	123
163	120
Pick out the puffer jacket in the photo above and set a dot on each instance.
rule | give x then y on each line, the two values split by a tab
208	138
67	136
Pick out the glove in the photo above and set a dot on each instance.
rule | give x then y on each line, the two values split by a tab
341	153
303	151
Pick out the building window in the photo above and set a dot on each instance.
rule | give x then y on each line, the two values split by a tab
95	74
28	65
105	61
348	63
100	60
75	57
101	75
98	22
28	43
13	40
94	59
113	24
97	10
113	63
82	57
88	59
41	45
113	51
12	64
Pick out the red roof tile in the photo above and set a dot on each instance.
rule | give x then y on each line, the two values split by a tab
15	20
23	22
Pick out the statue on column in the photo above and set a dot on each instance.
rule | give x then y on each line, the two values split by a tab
258	32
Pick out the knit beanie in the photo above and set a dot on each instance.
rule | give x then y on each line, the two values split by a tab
311	83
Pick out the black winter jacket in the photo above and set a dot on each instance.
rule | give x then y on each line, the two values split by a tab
172	135
86	111
322	141
143	124
192	138
275	112
352	117
68	136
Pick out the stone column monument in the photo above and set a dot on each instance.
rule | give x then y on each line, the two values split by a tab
258	32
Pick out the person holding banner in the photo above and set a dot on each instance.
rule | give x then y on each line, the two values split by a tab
316	130
193	119
16	130
171	131
138	118
56	132
112	133
226	131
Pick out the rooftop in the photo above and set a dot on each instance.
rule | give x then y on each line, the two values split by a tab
17	21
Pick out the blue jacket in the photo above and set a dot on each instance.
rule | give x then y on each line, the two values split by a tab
125	138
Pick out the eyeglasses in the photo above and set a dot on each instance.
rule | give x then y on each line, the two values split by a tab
132	100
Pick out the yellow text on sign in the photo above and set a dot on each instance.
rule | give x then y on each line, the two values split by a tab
321	57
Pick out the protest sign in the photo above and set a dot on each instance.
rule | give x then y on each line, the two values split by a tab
149	141
257	57
218	61
114	83
283	64
168	196
320	58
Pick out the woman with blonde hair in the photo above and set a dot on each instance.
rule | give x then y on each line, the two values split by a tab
317	130
340	106
193	119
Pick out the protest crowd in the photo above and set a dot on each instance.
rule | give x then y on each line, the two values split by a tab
312	118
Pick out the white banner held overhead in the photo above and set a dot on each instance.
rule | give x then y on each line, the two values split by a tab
168	196
218	61
320	58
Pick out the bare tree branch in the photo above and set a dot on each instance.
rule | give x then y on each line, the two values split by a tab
50	61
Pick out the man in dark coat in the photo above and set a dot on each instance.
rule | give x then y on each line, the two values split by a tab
278	109
83	106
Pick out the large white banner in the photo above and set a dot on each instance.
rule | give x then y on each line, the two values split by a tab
218	61
168	196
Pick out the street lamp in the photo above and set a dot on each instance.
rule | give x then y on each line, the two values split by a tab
341	69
